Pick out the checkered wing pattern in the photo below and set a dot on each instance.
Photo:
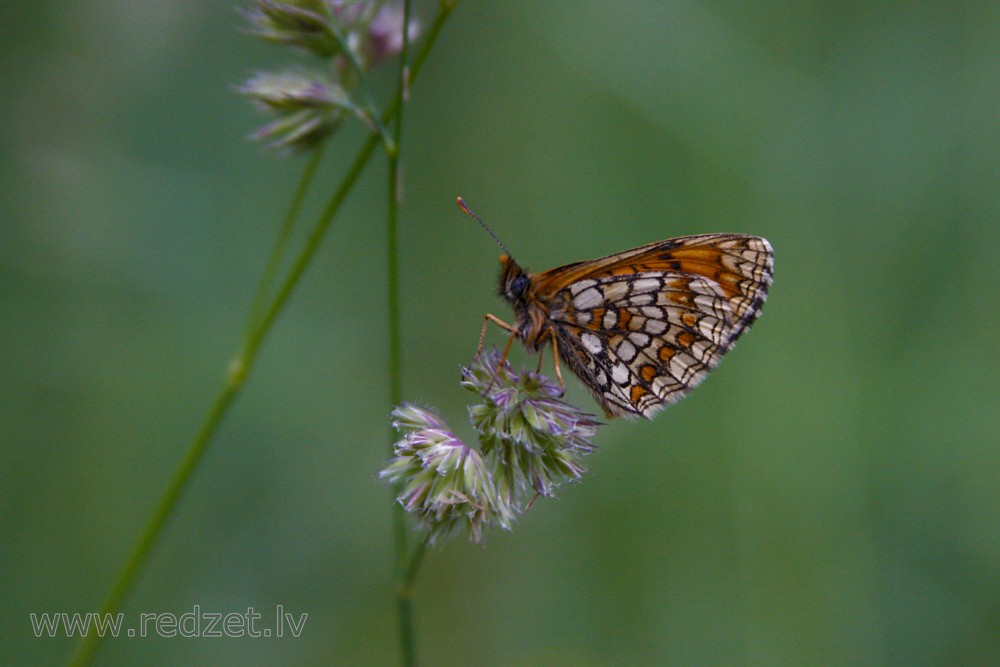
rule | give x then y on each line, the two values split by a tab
643	327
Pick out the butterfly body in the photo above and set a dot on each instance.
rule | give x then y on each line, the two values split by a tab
531	314
642	327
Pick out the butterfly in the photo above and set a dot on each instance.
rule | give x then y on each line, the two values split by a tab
643	327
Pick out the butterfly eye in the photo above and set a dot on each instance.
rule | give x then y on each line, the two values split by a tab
519	286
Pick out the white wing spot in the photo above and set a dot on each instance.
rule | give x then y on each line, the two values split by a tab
588	299
645	285
614	290
626	351
652	312
592	343
643	299
639	339
619	373
656	327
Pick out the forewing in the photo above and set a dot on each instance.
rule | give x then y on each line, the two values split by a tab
740	265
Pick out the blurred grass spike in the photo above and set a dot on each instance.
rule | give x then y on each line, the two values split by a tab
530	440
351	38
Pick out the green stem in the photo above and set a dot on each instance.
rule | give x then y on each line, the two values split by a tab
407	639
239	369
404	600
415	559
278	249
392	240
87	649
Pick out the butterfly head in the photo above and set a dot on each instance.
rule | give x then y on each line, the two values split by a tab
530	314
518	289
515	284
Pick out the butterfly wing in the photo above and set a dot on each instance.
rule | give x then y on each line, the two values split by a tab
643	327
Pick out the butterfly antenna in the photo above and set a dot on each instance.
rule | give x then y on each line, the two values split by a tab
467	211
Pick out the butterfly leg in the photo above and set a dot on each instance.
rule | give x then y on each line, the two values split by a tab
541	357
503	325
532	501
506	348
555	360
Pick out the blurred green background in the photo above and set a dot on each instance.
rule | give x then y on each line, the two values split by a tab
831	495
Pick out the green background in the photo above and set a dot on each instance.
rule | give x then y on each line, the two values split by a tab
831	495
